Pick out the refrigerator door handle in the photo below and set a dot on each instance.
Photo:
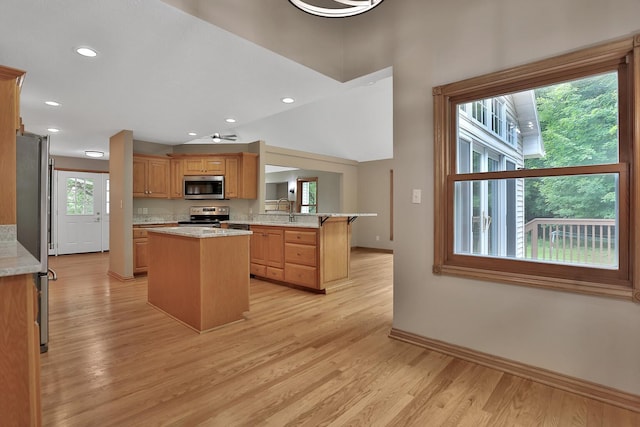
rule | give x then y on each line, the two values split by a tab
51	274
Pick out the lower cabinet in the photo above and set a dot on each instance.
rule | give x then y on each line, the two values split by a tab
266	252
314	258
301	258
140	246
284	254
20	355
140	257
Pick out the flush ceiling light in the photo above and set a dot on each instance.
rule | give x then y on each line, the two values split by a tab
54	130
52	103
192	134
288	100
87	51
230	120
347	8
91	153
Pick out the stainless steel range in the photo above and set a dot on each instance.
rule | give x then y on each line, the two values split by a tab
206	216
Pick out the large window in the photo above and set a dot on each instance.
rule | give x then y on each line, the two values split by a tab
307	195
535	180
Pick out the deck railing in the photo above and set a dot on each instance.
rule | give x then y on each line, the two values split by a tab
574	241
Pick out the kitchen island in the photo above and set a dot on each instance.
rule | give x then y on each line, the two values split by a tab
308	251
199	275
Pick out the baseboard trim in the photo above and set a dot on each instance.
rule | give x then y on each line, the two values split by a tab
564	382
119	277
363	248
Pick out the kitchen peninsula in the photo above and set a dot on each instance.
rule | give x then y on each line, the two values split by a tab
199	276
311	251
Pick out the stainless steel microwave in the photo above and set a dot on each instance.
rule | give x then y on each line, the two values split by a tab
206	187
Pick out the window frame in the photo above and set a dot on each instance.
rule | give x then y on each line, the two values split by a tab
621	55
299	184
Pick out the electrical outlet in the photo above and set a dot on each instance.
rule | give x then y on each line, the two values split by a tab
377	238
139	210
145	210
416	196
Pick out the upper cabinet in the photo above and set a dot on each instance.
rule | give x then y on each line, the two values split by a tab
151	176
212	165
10	84
241	177
240	171
177	176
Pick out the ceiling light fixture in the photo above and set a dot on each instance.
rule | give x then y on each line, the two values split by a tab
92	153
288	100
87	51
348	8
192	134
230	120
52	103
54	130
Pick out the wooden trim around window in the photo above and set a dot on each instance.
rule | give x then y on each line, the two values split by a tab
635	195
622	56
391	205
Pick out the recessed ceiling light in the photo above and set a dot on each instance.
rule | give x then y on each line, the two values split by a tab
192	134
288	100
52	103
92	153
87	51
54	130
230	120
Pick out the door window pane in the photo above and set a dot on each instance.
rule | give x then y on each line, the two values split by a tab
79	196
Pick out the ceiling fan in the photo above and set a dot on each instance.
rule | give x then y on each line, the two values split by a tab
217	137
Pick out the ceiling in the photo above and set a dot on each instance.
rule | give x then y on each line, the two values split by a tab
163	73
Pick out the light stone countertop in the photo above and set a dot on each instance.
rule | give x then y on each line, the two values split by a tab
302	220
199	232
274	223
15	260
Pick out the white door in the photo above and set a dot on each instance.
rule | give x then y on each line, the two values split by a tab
80	204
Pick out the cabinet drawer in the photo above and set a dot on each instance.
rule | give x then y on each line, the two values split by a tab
139	233
258	270
300	275
302	237
275	273
300	254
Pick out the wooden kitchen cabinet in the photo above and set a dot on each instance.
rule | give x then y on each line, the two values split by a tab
177	176
214	165
240	171
266	254
140	250
20	357
313	258
301	257
231	178
141	246
241	177
151	176
10	84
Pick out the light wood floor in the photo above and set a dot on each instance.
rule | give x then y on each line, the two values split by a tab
299	359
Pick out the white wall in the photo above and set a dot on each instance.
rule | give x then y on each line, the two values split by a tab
374	191
433	43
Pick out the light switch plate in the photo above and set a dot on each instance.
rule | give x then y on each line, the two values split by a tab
416	196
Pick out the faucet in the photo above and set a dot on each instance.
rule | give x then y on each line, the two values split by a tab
285	199
292	218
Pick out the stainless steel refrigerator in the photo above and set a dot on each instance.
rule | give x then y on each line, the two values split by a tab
33	208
